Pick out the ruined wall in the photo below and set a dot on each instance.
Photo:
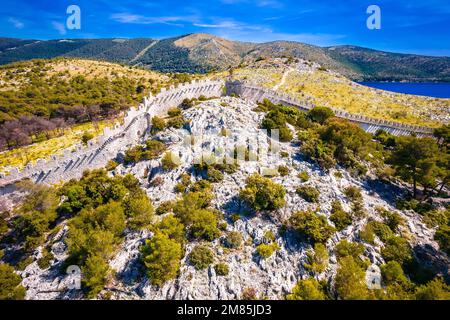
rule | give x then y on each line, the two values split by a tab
257	94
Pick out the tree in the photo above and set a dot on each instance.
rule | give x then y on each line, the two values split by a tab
312	226
341	218
320	114
172	228
263	194
204	225
201	257
350	283
308	289
10	287
139	209
415	160
436	289
392	273
317	259
397	249
161	257
95	273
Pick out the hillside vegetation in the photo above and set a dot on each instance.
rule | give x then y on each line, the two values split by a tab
202	53
313	84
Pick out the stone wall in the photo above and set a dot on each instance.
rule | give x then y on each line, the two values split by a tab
137	123
257	94
97	153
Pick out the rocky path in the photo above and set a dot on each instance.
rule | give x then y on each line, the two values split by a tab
283	78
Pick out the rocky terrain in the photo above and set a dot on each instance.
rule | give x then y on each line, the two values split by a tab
273	277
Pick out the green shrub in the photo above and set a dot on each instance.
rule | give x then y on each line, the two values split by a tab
153	149
317	259
161	256
382	231
170	161
176	122
350	282
158	124
95	273
320	114
345	248
442	236
262	194
138	209
10	287
174	112
201	257
339	216
44	261
221	269
284	154
165	207
283	170
308	289
310	194
312	226
235	217
214	175
303	176
353	193
234	239
436	289
392	273
204	225
397	249
87	136
266	250
392	219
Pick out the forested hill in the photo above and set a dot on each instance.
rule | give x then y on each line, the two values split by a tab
200	53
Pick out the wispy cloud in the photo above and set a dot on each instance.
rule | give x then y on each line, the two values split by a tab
60	27
140	19
16	23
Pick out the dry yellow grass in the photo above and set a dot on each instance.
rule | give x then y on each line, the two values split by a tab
324	88
43	150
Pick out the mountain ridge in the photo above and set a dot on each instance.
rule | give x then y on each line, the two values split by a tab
202	53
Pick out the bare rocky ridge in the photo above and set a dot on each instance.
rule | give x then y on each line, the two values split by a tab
273	277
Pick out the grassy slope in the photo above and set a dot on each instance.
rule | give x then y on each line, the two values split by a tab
326	88
14	77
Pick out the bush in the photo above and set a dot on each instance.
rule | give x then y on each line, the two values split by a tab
308	193
436	289
320	114
174	112
138	209
266	250
10	287
165	207
304	176
87	136
95	273
308	289
161	257
350	282
312	226
317	259
176	122
44	261
392	273
234	239
170	161
442	236
339	217
221	269
153	149
158	124
263	194
172	228
204	225
397	249
201	257
214	175
353	249
392	219
382	231
353	193
283	171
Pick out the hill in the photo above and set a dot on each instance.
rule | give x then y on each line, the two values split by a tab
201	53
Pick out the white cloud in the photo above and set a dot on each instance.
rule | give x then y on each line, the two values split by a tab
60	27
139	19
16	23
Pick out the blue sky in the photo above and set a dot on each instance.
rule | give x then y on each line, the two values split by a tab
410	26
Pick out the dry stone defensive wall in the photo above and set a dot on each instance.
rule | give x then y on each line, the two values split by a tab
137	122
